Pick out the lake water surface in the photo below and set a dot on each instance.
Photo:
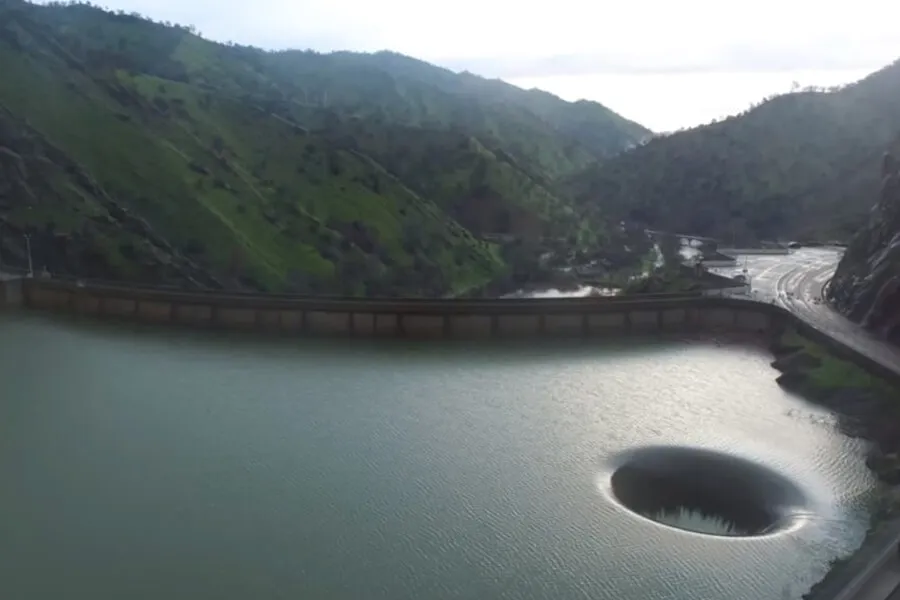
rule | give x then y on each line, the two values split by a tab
138	464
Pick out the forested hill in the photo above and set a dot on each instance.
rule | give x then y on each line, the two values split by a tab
544	133
137	150
796	166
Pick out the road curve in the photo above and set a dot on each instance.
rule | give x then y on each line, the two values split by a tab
895	595
795	282
801	292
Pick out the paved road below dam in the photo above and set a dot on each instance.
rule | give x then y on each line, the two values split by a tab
884	584
795	282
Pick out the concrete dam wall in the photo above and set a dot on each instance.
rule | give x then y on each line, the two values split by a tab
400	317
10	292
423	318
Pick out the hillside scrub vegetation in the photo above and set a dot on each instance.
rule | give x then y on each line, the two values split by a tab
138	150
795	167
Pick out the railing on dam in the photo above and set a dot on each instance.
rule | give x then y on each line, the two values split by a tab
104	289
753	251
413	317
430	318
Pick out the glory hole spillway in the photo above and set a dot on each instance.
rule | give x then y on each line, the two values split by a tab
145	464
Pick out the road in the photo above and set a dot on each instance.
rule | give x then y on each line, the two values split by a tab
795	282
895	595
884	584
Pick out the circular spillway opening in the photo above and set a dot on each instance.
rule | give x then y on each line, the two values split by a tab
706	492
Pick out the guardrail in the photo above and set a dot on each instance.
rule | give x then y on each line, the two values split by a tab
849	578
452	318
888	551
752	251
180	293
8	270
720	263
344	304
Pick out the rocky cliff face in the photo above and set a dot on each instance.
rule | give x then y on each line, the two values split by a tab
866	285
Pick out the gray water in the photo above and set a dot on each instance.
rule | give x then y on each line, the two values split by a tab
138	464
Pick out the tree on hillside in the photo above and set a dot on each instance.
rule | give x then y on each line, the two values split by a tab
236	262
670	248
411	157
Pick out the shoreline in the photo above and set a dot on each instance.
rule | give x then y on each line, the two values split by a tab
866	408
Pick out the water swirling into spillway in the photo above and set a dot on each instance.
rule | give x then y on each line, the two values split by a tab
705	492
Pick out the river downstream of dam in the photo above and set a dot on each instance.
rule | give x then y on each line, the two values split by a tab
148	464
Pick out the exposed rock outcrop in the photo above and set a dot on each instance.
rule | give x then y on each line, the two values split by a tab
866	285
887	466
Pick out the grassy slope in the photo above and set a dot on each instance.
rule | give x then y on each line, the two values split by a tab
229	154
215	174
834	373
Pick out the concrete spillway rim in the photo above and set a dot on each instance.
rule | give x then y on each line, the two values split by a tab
778	504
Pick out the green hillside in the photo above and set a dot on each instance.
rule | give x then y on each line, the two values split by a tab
546	134
798	165
136	150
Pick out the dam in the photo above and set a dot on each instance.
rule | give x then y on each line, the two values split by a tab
391	317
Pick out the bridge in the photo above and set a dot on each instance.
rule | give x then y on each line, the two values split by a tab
682	236
509	237
753	251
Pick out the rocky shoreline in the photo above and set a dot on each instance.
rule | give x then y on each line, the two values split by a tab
865	406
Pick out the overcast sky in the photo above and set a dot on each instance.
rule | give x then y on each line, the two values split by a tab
663	63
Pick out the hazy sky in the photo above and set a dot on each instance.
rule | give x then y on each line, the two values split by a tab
663	63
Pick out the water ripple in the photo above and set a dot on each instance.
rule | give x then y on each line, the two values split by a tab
187	465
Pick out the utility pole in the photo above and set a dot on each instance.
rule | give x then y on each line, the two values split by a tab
28	248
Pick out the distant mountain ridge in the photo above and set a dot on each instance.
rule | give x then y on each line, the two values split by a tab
137	150
562	137
796	166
